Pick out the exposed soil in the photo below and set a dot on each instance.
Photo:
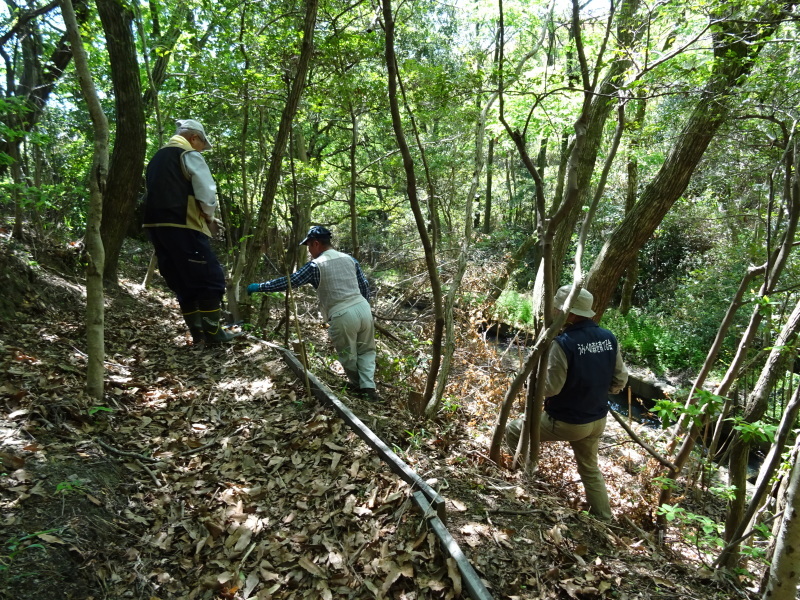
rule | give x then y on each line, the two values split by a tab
213	475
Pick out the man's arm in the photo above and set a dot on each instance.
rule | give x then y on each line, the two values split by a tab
308	273
205	190
620	377
363	284
556	374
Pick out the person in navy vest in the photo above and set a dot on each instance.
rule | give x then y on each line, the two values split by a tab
584	365
179	219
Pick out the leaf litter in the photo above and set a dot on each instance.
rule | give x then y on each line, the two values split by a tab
212	475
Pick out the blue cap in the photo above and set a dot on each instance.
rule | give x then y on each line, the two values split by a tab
317	232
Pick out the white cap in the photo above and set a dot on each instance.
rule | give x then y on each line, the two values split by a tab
192	125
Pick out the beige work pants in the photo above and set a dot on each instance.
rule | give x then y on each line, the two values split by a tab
584	439
352	332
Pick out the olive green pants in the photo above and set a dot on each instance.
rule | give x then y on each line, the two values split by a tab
584	439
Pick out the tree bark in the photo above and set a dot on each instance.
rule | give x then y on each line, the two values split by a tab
353	181
487	211
784	575
127	158
632	273
281	140
737	44
771	463
772	271
411	190
95	314
753	411
35	97
596	115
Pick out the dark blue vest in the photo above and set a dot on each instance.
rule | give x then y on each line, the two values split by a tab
168	190
591	358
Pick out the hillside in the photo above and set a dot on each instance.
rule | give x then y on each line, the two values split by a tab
214	475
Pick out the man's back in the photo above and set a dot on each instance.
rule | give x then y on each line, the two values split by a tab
591	354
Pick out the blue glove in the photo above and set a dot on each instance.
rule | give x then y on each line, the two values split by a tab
253	288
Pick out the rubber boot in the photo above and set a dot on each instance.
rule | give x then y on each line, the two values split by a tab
194	321
212	327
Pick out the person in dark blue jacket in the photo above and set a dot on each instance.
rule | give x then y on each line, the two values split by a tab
584	365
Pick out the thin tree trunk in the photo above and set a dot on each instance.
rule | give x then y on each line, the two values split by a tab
16	177
768	468
784	575
487	211
411	190
753	411
353	180
281	139
772	271
238	247
97	183
34	96
632	273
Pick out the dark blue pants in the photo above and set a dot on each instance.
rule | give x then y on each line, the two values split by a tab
189	266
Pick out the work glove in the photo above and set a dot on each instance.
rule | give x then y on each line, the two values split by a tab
253	288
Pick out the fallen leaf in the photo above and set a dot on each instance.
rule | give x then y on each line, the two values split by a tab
455	575
311	567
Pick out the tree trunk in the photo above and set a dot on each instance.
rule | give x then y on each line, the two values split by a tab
95	315
34	97
281	139
411	190
487	211
783	573
753	411
736	46
768	469
163	52
16	177
596	115
353	181
772	270
127	158
632	273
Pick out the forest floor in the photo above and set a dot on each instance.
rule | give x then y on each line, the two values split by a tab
212	475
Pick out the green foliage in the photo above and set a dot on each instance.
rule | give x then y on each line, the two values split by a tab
703	531
724	492
752	433
416	438
706	403
514	308
450	405
665	483
14	546
70	487
653	341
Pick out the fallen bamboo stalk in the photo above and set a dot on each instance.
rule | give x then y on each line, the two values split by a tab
400	468
472	582
642	443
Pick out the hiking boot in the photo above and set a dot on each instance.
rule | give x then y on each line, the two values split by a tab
195	323
370	394
214	332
